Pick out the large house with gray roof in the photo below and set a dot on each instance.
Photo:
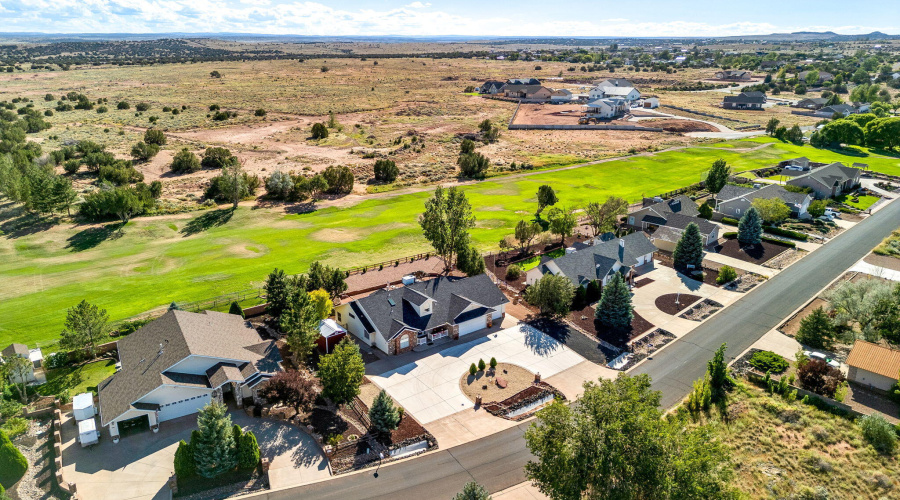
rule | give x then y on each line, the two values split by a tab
734	201
395	320
176	364
828	181
599	260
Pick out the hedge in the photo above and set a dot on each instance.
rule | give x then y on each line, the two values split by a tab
733	234
730	235
786	233
729	220
12	463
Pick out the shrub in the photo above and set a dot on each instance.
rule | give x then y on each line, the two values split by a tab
493	363
386	171
154	136
185	162
216	158
729	235
816	330
817	376
56	360
481	365
102	109
248	451
776	241
260	112
319	131
513	272
727	274
185	466
473	369
71	166
12	463
786	233
879	433
339	179
730	221
14	427
123	105
141	106
767	361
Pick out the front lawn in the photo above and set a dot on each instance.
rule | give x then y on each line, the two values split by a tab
863	201
533	261
76	380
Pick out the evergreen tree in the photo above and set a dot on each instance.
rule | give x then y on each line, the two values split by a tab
248	451
614	309
689	249
717	368
185	466
546	197
816	330
214	449
384	415
472	491
750	228
236	309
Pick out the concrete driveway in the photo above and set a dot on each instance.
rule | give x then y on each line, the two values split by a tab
429	387
139	466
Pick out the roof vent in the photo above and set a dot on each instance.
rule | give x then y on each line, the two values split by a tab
391	302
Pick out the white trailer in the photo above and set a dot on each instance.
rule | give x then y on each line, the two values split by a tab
87	432
83	406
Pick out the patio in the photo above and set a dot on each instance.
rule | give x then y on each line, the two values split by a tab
139	466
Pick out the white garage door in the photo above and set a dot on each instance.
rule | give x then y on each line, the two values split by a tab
183	407
473	325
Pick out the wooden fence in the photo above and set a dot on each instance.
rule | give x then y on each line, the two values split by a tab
585	127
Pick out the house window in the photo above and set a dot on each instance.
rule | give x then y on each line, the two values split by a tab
351	315
737	210
631	220
404	342
339	316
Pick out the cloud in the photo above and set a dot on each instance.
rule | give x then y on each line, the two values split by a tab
315	18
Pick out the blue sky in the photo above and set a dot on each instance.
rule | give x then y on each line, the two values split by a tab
461	17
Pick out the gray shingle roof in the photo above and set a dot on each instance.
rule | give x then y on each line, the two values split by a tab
730	192
775	191
679	221
597	261
16	350
148	353
743	98
451	296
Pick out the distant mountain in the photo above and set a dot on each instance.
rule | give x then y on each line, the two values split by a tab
802	36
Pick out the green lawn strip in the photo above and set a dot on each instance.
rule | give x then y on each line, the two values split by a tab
533	261
151	265
84	378
865	201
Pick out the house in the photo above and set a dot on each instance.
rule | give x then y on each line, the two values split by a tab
650	102
561	95
812	103
873	365
605	108
523	81
614	82
520	91
735	202
735	75
837	109
770	65
491	87
630	94
828	181
330	333
22	351
668	219
598	261
657	207
744	100
824	76
395	320
176	364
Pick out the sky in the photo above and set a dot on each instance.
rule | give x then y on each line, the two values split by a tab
656	18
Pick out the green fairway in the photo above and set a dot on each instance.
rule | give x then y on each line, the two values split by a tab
200	255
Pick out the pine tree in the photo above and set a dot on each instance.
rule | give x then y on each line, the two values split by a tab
384	415
248	451
750	228
689	250
614	309
472	491
236	309
214	449
185	466
816	330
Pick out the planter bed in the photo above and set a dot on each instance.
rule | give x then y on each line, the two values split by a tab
642	282
666	303
757	254
646	346
785	259
234	483
701	311
484	383
745	283
534	393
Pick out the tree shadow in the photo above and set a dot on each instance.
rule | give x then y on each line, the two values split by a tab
306	207
17	222
208	220
93	236
849	151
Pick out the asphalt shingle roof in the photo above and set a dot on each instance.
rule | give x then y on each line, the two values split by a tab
148	353
830	174
451	297
597	261
16	350
730	192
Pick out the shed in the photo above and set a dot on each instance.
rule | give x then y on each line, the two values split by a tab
87	432
873	365
330	333
83	406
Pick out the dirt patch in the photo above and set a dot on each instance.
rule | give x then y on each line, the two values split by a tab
885	261
754	254
585	320
676	125
792	326
487	383
674	303
335	235
548	114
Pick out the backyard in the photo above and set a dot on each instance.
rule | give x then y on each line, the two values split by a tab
154	261
83	378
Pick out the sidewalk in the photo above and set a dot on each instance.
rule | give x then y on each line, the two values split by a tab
522	491
865	267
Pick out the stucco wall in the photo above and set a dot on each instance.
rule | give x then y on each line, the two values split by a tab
867	378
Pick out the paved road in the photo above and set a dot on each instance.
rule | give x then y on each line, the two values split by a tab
496	461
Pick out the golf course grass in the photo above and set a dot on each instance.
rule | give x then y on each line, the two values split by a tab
155	261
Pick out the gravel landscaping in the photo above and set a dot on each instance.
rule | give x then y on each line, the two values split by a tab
647	345
584	319
785	259
485	383
38	482
701	311
745	283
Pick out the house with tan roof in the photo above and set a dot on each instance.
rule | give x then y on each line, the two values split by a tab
178	363
873	365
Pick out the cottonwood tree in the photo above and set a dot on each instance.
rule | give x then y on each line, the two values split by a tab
603	217
688	252
614	309
293	388
446	223
84	328
562	222
750	228
300	323
717	176
342	372
546	197
552	294
233	183
526	233
616	445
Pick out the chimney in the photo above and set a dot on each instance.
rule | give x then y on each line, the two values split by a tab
621	250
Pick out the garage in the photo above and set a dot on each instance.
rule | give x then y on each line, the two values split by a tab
472	325
182	407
